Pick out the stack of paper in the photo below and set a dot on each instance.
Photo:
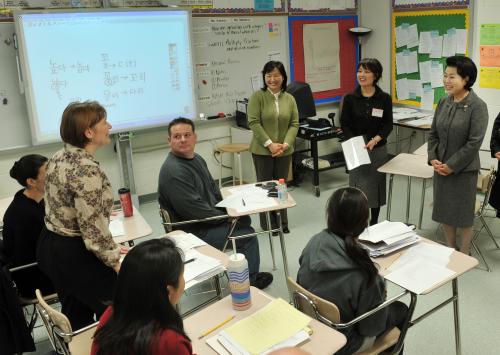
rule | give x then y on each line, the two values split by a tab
387	237
247	198
202	267
275	326
198	267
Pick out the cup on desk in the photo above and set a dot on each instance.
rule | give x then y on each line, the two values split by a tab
126	202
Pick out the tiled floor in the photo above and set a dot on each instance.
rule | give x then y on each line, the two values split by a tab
479	290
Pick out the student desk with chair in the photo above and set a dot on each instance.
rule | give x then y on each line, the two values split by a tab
324	340
459	264
212	252
234	213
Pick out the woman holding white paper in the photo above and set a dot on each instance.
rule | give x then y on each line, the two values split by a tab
367	112
456	135
335	267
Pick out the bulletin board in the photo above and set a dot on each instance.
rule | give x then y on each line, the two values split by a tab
321	6
420	4
348	54
436	20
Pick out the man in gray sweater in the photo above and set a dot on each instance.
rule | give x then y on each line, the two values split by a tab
187	190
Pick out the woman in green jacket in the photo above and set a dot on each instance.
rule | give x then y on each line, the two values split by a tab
274	121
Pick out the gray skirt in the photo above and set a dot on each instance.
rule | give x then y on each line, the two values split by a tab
455	199
369	180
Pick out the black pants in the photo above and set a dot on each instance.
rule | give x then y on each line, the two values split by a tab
269	168
83	283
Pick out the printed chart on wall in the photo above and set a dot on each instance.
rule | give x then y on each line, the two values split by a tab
323	54
421	43
229	54
489	52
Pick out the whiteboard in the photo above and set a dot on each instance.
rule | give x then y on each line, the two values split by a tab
228	52
14	127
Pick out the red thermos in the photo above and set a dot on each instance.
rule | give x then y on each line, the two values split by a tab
126	201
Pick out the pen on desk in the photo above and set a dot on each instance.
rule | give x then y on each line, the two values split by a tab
243	202
204	334
189	261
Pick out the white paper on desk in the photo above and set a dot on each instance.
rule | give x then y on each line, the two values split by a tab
436	74
384	230
202	267
355	153
419	275
436	253
425	42
116	227
461	40
186	241
405	110
436	46
427	99
425	71
420	122
247	202
402	89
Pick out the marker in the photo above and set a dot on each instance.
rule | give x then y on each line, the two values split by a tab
189	261
243	202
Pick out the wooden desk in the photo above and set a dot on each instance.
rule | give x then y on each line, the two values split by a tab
324	339
135	227
214	253
410	165
290	202
459	263
422	150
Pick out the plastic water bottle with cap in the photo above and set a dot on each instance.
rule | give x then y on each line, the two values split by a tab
282	191
239	280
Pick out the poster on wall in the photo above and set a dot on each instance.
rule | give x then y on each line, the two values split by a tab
489	56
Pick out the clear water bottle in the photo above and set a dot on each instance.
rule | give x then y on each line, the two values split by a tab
282	191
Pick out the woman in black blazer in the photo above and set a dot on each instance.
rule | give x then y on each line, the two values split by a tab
495	153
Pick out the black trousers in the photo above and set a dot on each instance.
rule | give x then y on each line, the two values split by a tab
269	168
83	283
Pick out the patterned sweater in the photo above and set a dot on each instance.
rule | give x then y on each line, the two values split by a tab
78	202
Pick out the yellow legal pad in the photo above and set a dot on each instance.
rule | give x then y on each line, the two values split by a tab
271	325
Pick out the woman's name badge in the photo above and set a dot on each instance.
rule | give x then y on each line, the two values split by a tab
376	112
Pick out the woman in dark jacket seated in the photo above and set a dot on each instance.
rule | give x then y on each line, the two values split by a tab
23	222
335	267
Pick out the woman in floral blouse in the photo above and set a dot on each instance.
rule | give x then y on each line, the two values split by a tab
76	249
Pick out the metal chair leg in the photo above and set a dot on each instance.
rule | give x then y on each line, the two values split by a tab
271	246
220	166
480	255
481	218
240	168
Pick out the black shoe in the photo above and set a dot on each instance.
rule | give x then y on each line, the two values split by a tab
261	280
286	230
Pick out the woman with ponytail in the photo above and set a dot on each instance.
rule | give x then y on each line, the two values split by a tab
335	267
142	319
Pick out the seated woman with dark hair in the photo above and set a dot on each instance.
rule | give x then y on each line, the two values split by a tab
23	222
335	267
143	319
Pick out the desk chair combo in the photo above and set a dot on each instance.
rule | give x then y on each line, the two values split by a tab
486	185
64	340
328	313
168	225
